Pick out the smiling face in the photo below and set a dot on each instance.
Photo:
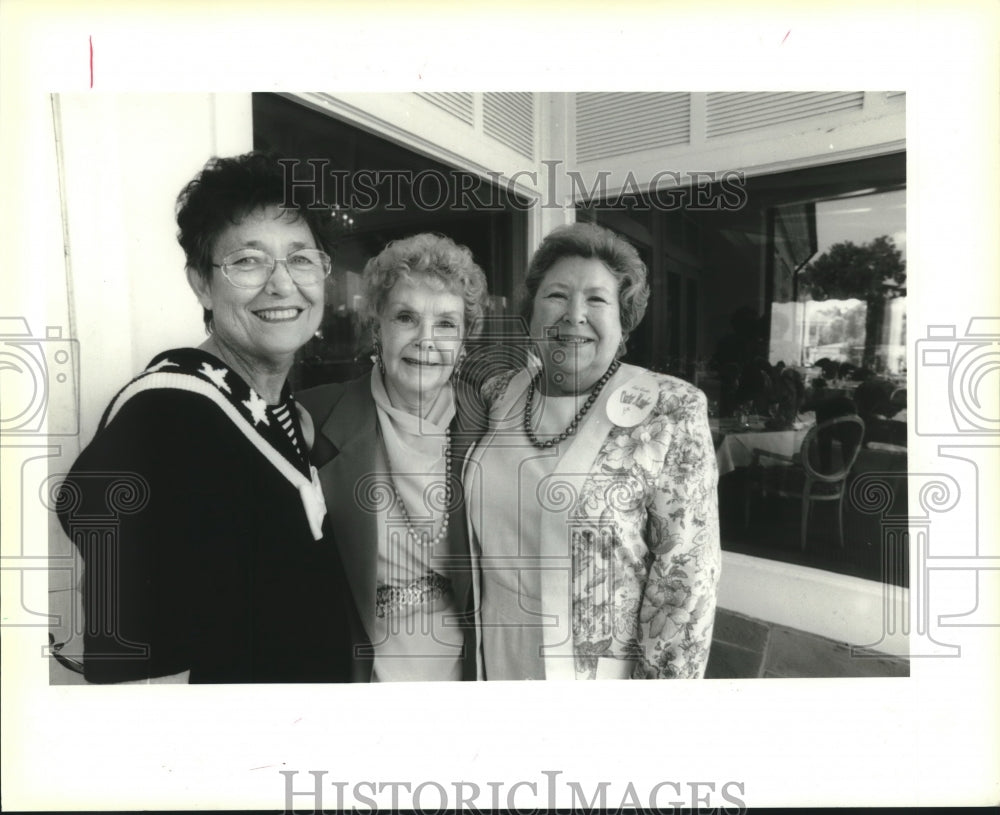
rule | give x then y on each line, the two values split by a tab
261	327
420	328
575	317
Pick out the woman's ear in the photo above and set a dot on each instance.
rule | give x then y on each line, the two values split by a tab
201	287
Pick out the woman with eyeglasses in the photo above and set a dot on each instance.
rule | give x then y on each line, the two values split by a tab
223	568
389	448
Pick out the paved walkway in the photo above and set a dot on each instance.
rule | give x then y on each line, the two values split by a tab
745	648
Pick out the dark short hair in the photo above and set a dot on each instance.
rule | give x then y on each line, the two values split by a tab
592	242
426	255
225	192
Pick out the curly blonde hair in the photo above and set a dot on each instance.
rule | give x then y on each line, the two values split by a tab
426	255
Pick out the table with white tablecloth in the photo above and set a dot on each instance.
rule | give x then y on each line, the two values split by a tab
735	449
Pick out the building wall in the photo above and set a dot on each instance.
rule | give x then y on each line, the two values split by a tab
635	135
119	162
122	160
105	173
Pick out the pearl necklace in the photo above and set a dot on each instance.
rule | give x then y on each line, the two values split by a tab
425	539
571	429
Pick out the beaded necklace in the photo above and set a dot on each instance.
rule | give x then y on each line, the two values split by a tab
571	429
425	538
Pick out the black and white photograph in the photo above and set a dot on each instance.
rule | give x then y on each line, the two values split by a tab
346	412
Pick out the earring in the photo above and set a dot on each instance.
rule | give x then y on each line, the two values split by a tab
456	371
377	358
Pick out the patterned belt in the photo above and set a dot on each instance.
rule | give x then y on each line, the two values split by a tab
422	590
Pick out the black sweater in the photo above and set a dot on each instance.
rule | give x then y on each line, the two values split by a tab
202	558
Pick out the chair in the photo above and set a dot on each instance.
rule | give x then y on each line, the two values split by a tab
832	407
885	431
898	400
873	397
818	472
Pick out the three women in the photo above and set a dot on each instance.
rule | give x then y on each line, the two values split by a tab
590	500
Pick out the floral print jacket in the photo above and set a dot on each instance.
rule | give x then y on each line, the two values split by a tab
645	534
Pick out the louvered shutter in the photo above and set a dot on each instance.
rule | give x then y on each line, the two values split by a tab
458	105
510	119
614	124
728	113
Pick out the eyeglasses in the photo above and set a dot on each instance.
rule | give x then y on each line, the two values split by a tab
252	268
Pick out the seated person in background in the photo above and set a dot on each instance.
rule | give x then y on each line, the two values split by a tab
756	386
787	396
743	344
738	359
815	393
729	387
846	370
829	367
834	406
873	403
872	398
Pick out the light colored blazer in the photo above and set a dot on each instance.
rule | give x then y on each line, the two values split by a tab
344	454
629	538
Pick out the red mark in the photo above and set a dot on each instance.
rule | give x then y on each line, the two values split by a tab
786	36
90	40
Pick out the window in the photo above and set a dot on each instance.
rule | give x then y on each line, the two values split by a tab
808	276
847	301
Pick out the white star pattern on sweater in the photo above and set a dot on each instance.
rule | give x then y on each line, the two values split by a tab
217	375
257	408
163	363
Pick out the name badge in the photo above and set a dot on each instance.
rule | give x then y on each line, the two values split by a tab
633	401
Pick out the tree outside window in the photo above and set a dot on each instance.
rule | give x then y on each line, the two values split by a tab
869	275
